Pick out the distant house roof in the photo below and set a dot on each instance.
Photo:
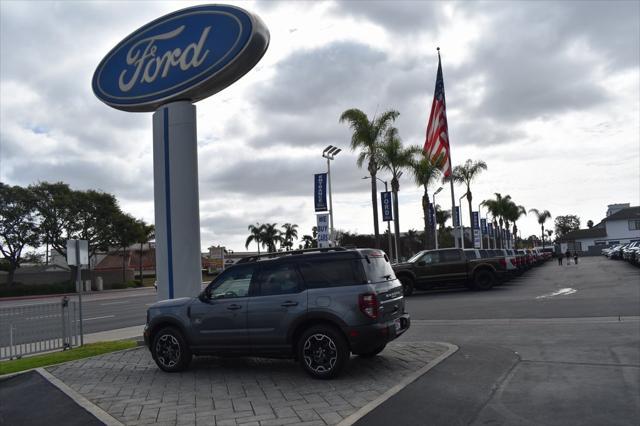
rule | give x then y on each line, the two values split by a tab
625	214
584	233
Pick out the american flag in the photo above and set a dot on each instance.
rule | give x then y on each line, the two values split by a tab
437	143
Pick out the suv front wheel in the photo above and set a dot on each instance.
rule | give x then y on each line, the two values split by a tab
170	350
323	351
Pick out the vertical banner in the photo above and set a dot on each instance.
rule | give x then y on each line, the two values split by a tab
490	229
456	216
483	226
320	192
476	223
323	230
387	210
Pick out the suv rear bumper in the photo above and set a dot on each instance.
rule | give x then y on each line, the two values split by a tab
369	337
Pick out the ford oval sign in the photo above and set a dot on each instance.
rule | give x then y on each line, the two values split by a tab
186	55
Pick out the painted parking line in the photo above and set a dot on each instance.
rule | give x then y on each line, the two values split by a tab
561	292
95	318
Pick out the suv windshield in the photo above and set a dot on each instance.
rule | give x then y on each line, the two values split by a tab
416	256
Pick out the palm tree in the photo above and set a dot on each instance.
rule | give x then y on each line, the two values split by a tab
424	172
254	236
464	175
442	216
542	218
290	233
498	207
514	212
394	158
270	236
413	240
308	241
366	137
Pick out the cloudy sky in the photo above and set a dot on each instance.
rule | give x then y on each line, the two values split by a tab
547	93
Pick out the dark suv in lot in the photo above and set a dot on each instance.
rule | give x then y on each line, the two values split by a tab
317	306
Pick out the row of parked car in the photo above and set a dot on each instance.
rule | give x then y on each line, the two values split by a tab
629	252
478	269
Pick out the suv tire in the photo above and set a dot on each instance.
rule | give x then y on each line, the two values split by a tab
407	285
323	351
170	350
483	280
372	353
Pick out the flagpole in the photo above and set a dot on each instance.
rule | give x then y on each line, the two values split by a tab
453	197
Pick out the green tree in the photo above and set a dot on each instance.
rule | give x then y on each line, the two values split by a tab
289	233
464	175
308	241
589	224
367	136
541	217
18	225
126	232
513	214
395	158
498	207
425	172
565	224
254	236
270	236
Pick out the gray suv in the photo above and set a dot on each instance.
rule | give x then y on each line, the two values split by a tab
316	306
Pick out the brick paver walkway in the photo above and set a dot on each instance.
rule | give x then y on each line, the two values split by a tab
237	391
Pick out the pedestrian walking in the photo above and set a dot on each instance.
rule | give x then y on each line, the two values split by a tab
568	254
575	257
560	259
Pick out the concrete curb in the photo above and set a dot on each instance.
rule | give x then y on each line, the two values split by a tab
93	409
451	349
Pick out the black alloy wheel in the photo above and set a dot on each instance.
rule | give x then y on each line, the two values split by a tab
483	280
323	352
170	350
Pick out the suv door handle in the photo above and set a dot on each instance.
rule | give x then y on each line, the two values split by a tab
234	307
289	303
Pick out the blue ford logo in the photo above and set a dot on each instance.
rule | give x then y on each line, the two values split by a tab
186	55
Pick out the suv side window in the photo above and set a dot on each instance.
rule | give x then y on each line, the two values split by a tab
450	256
280	278
233	283
430	258
332	273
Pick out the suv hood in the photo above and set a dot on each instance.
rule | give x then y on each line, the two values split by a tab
172	302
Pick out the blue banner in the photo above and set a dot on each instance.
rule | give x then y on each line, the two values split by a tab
483	226
490	229
387	210
475	224
320	192
456	216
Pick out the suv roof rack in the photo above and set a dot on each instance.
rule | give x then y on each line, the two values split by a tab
289	253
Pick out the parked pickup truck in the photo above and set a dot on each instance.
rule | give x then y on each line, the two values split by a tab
438	268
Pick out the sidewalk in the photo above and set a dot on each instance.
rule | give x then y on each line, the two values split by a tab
118	334
244	391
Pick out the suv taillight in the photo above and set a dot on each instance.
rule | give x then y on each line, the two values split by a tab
368	304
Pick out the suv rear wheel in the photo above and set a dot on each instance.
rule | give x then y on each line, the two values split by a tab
170	350
323	351
407	285
483	280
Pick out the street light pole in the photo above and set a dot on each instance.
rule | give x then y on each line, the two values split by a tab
330	153
480	226
434	213
460	221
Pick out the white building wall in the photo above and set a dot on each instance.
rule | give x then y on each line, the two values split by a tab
619	230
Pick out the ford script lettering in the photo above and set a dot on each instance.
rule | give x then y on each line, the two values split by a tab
187	55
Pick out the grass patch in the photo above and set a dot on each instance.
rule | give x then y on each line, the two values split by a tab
52	358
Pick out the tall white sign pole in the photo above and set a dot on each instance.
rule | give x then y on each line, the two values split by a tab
177	215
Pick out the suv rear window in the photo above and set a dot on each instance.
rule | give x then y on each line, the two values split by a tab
332	273
376	266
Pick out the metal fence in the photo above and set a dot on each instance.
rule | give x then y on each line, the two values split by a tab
44	327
